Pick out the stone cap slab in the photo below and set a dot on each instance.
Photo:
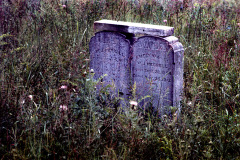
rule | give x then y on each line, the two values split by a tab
134	28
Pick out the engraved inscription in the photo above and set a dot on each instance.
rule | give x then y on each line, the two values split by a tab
109	54
152	70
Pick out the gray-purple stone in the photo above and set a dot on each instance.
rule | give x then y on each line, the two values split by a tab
109	54
157	70
134	28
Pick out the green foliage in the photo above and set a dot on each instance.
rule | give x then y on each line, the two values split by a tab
52	108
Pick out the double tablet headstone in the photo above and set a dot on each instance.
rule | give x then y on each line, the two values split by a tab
154	61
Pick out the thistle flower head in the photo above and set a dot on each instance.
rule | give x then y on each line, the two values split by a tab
63	87
30	97
133	105
63	108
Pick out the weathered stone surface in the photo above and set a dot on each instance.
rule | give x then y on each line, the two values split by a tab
154	62
157	69
109	54
134	28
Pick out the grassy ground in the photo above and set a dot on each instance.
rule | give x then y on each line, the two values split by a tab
48	105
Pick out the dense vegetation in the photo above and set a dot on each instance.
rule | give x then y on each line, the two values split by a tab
49	108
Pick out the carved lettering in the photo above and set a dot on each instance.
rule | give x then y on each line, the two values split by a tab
152	69
109	53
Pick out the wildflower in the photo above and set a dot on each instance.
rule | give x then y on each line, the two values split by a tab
63	108
199	120
165	21
91	71
133	105
210	142
182	142
63	87
64	6
189	103
188	132
170	125
30	97
164	116
23	101
238	25
196	5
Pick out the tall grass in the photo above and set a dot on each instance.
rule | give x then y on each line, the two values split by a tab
49	104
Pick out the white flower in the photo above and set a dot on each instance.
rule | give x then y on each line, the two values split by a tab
134	103
164	117
91	71
23	101
63	87
30	97
63	108
189	103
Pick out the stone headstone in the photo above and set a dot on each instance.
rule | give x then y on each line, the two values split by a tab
157	70
109	54
134	28
153	61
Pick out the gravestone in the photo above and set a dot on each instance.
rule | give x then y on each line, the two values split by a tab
110	56
154	61
157	70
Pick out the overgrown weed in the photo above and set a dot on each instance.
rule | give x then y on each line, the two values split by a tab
49	104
